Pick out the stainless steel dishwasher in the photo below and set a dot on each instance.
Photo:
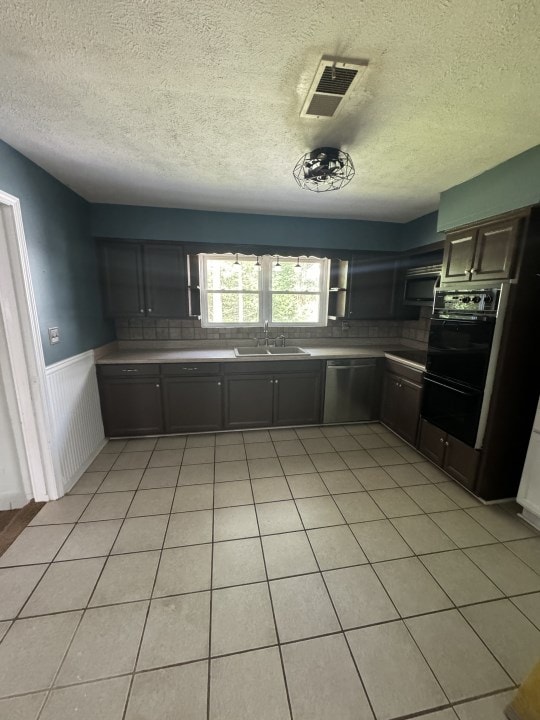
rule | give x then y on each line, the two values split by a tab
351	390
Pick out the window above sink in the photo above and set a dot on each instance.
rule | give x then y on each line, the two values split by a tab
247	291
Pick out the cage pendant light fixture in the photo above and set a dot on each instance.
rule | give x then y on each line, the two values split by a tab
324	169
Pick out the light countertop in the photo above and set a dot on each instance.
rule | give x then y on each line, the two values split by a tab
201	355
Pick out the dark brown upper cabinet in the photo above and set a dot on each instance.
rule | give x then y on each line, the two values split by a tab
371	287
122	279
486	252
146	279
337	294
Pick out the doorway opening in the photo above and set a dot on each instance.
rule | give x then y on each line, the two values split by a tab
27	468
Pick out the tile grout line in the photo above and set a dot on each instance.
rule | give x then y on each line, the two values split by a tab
83	612
283	577
125	518
282	532
149	601
211	601
401	619
269	591
335	612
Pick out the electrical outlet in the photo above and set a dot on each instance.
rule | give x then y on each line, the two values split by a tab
54	335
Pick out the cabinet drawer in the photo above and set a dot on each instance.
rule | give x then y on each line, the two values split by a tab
187	369
136	370
404	371
270	367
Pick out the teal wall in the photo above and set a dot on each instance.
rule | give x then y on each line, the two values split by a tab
420	232
511	185
62	255
195	226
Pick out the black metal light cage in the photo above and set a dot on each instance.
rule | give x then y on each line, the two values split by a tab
324	169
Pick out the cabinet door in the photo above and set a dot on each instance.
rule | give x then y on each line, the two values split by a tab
461	461
297	399
495	251
165	281
193	283
458	260
131	407
390	400
122	279
408	410
193	404
249	401
431	442
371	288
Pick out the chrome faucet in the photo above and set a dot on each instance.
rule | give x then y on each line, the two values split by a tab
266	339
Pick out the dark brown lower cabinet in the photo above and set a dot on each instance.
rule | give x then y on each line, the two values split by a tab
249	401
260	400
432	442
457	459
400	405
147	399
297	399
192	404
131	406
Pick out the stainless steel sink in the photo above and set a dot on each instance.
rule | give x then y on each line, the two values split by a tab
253	351
250	351
291	350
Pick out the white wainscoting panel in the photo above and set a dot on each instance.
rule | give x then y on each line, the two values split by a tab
76	415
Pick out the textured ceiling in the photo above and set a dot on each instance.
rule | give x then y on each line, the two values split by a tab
196	104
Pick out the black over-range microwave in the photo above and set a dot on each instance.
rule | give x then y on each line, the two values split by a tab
420	284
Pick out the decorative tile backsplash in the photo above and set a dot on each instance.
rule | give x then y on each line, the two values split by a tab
412	332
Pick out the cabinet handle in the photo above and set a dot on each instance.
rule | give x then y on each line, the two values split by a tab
447	443
190	369
149	309
276	381
219	383
271	382
141	310
130	370
157	385
441	440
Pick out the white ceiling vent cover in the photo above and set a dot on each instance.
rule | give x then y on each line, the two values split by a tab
332	82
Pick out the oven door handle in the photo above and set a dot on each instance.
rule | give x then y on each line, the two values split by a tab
449	387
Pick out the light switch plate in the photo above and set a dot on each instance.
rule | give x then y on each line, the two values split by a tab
54	335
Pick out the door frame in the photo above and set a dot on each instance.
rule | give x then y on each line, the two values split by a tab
25	366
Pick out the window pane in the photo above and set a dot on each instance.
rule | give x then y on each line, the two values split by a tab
233	308
223	274
306	278
295	308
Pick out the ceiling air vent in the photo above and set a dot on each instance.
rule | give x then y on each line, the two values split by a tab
333	80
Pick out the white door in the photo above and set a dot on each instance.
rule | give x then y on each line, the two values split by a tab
529	489
26	460
15	489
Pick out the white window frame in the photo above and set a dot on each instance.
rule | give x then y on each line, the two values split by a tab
265	290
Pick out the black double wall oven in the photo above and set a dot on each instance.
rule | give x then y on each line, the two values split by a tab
459	350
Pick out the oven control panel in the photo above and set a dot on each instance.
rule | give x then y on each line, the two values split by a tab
473	302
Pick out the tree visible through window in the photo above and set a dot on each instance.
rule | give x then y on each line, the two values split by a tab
235	290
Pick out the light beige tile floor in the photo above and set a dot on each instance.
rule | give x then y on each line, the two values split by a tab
302	574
